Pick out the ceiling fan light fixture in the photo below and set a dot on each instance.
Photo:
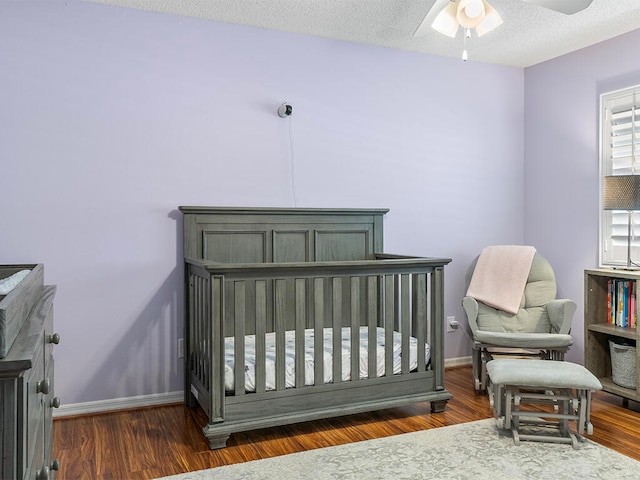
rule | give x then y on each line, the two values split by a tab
492	19
446	21
470	13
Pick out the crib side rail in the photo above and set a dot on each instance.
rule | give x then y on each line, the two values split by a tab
399	296
382	263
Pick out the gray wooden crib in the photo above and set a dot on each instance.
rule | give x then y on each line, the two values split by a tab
325	323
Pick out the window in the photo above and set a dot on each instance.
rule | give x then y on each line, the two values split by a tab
619	155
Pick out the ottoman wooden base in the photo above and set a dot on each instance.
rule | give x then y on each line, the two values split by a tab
518	383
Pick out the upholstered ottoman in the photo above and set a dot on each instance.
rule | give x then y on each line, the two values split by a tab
567	386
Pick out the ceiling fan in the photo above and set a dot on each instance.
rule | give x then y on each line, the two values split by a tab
446	16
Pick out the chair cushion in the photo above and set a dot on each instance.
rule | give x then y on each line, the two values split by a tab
524	340
541	284
541	373
532	316
529	320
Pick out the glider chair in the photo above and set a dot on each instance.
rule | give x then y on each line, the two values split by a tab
531	323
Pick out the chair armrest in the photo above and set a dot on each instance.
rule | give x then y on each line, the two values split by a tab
470	306
560	313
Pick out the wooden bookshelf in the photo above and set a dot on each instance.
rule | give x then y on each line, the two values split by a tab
598	331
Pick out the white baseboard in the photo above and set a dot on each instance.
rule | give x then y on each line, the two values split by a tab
457	362
118	404
165	398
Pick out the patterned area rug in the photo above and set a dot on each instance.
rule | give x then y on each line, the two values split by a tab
476	450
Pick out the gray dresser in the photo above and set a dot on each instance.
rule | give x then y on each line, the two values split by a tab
26	385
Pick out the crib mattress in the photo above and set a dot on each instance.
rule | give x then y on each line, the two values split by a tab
270	359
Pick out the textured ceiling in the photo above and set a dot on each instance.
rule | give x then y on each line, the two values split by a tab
529	35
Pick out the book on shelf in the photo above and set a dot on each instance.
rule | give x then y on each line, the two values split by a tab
622	307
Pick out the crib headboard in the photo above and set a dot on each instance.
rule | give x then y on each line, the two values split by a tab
275	235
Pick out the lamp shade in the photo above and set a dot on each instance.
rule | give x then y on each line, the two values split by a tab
491	20
446	22
621	192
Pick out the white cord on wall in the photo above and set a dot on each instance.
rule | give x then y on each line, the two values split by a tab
284	111
293	169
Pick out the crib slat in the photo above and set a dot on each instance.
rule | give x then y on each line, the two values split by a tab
301	314
239	333
215	349
396	296
204	329
420	317
405	327
261	331
318	336
389	319
280	288
372	319
337	329
397	313
437	324
196	330
355	328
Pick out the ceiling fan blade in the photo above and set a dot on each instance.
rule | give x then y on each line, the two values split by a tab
425	25
568	7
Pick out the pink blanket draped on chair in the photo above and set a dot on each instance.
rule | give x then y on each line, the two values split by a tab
500	276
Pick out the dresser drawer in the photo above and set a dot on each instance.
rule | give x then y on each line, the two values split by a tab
35	467
37	387
51	339
26	396
50	402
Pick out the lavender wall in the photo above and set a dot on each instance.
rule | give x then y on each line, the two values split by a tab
562	159
111	118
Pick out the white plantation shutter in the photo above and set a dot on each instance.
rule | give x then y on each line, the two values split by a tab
619	155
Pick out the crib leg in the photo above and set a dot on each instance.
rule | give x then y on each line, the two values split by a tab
217	441
438	406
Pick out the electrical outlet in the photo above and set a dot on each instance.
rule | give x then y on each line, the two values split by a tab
181	348
452	324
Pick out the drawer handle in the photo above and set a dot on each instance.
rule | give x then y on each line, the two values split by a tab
43	474
44	386
55	403
55	338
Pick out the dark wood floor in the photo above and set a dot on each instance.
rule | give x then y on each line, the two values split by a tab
166	440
